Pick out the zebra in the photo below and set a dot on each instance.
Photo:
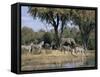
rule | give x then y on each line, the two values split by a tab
68	49
47	47
27	47
79	49
68	41
53	45
65	48
38	47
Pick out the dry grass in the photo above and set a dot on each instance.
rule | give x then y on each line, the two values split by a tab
43	60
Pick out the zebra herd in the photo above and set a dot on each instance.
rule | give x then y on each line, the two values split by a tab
76	49
33	47
68	45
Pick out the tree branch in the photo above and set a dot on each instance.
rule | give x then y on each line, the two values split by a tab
57	20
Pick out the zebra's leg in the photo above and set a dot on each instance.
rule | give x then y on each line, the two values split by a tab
29	50
64	51
39	50
84	52
73	53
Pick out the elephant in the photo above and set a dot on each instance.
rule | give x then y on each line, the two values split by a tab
68	41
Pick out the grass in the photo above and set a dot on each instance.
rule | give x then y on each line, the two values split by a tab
56	58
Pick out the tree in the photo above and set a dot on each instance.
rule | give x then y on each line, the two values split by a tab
41	30
85	19
53	16
47	37
27	35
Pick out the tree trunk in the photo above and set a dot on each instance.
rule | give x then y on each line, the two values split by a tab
56	37
62	28
85	41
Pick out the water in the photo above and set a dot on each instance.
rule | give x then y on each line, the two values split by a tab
72	63
88	62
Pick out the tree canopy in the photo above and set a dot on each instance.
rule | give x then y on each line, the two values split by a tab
84	19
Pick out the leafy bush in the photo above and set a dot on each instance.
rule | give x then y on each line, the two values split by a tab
47	37
27	35
91	44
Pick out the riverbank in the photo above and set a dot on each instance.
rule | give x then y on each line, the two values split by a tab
56	59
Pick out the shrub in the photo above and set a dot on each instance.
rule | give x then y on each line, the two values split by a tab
47	37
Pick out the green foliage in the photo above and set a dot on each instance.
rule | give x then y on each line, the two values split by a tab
84	19
78	39
66	32
47	37
49	14
27	35
91	44
52	16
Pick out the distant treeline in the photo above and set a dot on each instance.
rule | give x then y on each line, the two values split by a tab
28	36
